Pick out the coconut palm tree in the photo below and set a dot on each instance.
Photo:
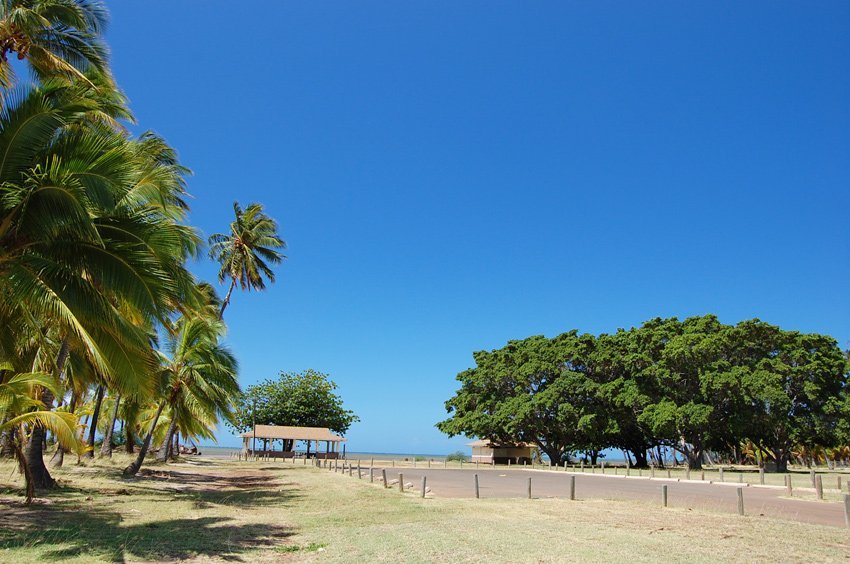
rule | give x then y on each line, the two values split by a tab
246	253
197	383
91	241
56	38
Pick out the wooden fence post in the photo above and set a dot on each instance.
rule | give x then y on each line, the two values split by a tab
819	486
401	482
788	489
838	481
423	486
572	487
702	475
371	475
664	495
761	476
477	496
384	476
847	510
529	488
812	476
721	474
740	501
687	472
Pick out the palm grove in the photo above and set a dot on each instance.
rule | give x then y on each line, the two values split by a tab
750	392
105	327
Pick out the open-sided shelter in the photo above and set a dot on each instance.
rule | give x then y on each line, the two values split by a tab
487	451
288	436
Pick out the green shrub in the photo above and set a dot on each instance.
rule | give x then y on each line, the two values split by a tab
456	456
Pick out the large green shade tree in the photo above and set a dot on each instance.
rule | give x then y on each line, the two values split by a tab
696	386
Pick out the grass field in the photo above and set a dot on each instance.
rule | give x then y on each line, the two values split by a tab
261	511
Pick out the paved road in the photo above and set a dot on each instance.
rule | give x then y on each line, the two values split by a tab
769	501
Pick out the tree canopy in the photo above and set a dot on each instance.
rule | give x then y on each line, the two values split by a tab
696	386
302	399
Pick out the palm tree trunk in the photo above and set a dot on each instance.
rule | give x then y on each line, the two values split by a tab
162	454
226	301
34	456
129	439
23	465
7	444
98	401
59	456
136	465
106	449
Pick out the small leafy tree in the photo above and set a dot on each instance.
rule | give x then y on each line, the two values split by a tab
303	399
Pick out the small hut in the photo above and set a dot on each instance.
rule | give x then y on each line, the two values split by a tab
487	451
313	436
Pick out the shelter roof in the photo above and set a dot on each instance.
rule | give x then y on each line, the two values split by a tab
293	433
489	443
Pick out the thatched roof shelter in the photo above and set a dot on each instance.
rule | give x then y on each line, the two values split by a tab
288	435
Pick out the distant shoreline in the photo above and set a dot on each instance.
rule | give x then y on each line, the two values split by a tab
225	452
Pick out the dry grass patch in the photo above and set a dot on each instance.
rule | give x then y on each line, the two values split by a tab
222	510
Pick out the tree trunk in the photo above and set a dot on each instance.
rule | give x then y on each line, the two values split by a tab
7	444
129	439
133	468
23	465
781	456
226	301
98	401
640	458
34	456
59	456
162	454
106	448
693	452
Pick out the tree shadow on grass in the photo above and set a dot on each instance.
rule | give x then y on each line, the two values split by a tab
99	533
204	489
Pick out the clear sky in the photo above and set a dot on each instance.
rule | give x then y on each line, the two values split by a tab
452	175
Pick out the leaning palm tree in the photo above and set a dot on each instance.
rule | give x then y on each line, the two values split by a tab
247	251
92	247
197	381
56	37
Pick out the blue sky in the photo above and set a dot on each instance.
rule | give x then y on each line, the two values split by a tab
452	175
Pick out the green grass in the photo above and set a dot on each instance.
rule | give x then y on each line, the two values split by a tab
272	511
